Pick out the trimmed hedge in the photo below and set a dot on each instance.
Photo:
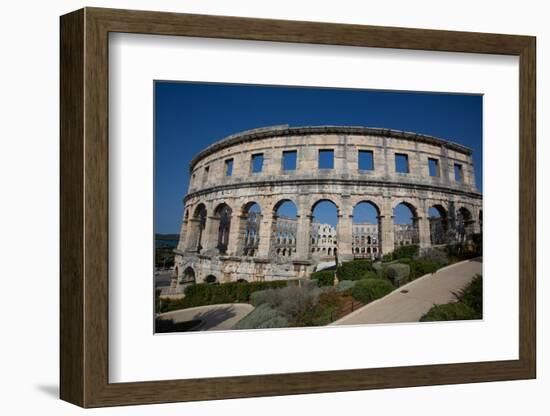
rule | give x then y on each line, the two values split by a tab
345	285
264	316
208	294
323	277
456	311
469	305
473	295
354	270
401	252
367	290
397	273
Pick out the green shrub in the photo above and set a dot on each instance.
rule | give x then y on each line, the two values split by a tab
354	270
367	290
421	267
472	295
401	252
207	294
264	316
456	311
323	278
397	273
345	285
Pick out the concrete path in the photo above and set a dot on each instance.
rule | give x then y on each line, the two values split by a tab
214	317
409	302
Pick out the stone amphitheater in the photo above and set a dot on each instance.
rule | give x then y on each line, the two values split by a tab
232	228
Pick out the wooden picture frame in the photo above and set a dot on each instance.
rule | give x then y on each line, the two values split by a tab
84	207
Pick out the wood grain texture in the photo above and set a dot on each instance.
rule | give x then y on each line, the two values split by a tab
84	207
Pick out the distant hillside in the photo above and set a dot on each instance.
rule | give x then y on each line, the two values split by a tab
167	236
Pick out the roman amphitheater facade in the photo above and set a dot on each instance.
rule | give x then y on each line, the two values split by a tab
223	239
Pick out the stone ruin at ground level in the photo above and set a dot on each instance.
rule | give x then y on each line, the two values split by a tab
232	230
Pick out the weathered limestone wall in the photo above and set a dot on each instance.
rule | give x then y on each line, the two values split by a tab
345	185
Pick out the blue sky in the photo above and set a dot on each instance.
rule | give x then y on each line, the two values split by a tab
191	116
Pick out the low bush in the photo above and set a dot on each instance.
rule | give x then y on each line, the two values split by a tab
345	285
208	294
323	278
400	252
264	316
434	255
469	305
367	290
456	311
421	267
397	273
168	325
472	295
354	270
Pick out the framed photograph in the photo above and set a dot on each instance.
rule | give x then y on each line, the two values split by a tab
255	207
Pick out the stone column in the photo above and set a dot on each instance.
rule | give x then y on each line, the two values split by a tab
236	234
184	236
386	227
344	232
191	238
210	237
423	224
266	231
424	232
303	235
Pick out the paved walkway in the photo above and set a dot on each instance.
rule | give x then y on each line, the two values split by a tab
214	317
409	302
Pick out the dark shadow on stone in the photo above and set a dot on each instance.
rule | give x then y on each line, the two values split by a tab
215	317
49	390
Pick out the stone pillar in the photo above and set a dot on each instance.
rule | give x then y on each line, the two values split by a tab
210	237
386	227
424	232
344	233
192	235
423	224
303	235
184	236
236	234
266	231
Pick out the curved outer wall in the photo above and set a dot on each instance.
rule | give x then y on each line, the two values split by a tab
345	185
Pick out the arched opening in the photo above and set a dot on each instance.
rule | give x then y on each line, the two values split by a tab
464	225
199	225
437	216
365	229
210	279
222	215
284	229
324	221
405	225
249	235
188	275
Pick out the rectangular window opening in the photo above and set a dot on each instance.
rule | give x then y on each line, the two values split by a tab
326	159
459	177
257	162
205	176
365	160
401	163
229	167
289	159
433	165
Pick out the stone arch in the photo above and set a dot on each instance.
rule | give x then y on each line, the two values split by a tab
250	219
222	226
403	232
197	227
210	279
319	231
438	219
464	224
188	275
284	229
365	234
